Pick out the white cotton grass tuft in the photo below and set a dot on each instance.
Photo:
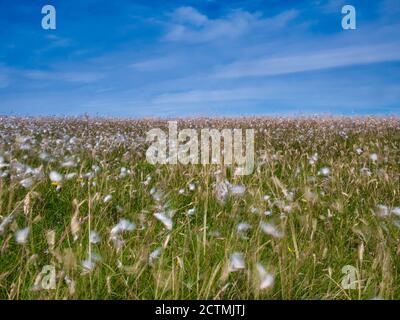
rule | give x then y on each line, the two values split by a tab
236	262
123	225
26	183
313	159
55	176
44	156
396	211
324	172
154	255
165	220
70	176
21	236
365	172
266	279
94	237
382	210
359	151
107	198
5	223
191	211
115	234
90	262
156	194
68	164
123	172
270	229
192	186
373	157
242	229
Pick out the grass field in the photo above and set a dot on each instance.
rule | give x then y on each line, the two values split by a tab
79	195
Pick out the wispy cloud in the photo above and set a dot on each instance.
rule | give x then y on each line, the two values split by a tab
191	26
69	76
332	6
311	61
155	64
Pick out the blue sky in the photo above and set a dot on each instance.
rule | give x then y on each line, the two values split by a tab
199	57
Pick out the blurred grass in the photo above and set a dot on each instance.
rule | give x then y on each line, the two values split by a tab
330	219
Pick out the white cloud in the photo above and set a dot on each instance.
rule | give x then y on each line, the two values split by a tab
333	6
311	61
155	64
199	96
189	25
189	15
70	76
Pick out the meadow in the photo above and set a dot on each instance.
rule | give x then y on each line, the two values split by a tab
78	195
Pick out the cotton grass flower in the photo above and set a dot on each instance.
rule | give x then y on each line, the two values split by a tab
123	172
365	172
382	211
313	159
373	157
55	177
68	164
396	211
154	255
270	229
122	226
236	262
266	279
21	236
191	211
107	198
242	228
94	237
324	172
70	176
156	194
26	183
90	262
165	220
5	223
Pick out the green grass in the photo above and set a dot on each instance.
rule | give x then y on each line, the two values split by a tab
332	221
